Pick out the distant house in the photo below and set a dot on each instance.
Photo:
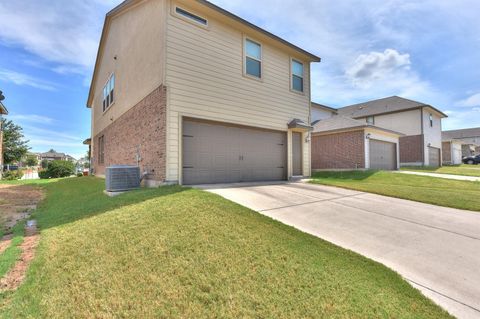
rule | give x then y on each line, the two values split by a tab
52	155
469	138
344	143
3	111
420	123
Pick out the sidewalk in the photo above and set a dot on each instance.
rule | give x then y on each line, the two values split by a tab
446	176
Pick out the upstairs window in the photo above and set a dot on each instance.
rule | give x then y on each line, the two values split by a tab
190	16
431	120
108	93
253	58
371	120
297	76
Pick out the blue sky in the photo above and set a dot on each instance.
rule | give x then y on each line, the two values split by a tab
424	50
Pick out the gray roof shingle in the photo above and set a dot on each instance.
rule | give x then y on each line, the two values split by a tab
381	106
459	134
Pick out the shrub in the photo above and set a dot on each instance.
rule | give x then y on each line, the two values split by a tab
43	174
79	174
12	175
57	169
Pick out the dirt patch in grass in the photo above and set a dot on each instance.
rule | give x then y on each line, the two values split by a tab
17	203
5	242
16	275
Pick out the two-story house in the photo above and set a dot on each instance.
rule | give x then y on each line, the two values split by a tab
420	123
195	94
468	140
3	111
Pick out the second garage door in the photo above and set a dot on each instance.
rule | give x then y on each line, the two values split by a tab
220	153
383	155
433	156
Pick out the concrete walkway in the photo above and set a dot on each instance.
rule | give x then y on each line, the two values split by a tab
446	176
437	249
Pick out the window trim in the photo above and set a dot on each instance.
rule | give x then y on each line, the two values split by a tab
105	109
187	19
292	59
244	45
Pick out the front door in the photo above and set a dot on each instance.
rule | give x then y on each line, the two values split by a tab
297	154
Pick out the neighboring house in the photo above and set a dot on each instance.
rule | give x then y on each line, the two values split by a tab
194	94
321	112
469	137
3	111
55	156
343	143
452	152
421	123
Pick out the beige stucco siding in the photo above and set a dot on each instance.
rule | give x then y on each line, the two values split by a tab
408	122
136	38
432	135
204	78
320	114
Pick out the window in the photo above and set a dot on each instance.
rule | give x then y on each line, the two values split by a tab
297	76
101	150
108	89
371	120
431	120
191	16
253	59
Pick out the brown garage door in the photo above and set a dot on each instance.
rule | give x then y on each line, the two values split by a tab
221	153
383	155
433	156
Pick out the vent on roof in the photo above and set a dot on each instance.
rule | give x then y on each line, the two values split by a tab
122	178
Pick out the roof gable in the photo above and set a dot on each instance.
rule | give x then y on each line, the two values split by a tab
459	134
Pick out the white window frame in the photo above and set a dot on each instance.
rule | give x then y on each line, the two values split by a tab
105	107
188	19
292	59
245	74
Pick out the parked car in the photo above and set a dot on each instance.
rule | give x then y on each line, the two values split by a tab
472	160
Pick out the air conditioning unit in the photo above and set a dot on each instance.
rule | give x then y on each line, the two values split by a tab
122	178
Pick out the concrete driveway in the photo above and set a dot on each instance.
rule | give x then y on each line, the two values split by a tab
436	249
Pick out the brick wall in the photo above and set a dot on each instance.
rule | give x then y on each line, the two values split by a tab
447	152
140	131
339	151
411	149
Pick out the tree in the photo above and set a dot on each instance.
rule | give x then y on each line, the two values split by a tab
44	163
31	160
15	147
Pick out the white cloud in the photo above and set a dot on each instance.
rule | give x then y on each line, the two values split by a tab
472	101
374	66
26	80
56	31
33	118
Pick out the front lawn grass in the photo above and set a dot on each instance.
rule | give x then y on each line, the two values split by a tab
10	255
175	252
432	190
464	170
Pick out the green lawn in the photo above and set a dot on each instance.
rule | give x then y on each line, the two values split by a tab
183	253
437	191
465	170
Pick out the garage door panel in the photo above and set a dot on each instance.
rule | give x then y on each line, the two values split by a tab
217	153
433	156
383	155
